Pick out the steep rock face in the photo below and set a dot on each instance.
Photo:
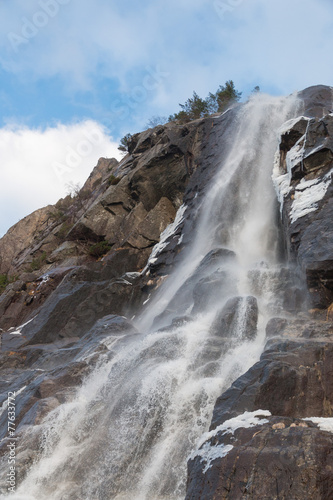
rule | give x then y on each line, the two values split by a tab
303	177
21	235
99	174
66	303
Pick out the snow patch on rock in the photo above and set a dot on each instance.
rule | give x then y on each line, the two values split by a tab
324	424
165	235
209	452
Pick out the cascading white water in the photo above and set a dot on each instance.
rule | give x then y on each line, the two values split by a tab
129	430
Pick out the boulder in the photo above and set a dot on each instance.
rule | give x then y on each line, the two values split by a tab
75	307
237	319
214	263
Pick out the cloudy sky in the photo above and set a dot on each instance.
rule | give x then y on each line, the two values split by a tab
77	75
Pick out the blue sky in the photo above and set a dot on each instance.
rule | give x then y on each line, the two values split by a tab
69	68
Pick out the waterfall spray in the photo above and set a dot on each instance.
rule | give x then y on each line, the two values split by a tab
138	416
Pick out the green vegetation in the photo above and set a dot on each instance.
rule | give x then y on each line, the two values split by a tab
4	281
113	180
99	249
196	107
38	262
224	96
124	142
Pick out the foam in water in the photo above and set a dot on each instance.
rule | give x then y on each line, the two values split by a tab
135	420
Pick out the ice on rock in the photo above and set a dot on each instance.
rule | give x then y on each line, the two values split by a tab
307	195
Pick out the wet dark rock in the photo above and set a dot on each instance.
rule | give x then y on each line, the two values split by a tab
208	274
311	244
214	259
168	165
49	374
308	233
293	299
275	327
213	349
291	379
116	325
302	327
75	307
316	100
290	138
318	151
177	322
227	323
212	289
181	320
267	461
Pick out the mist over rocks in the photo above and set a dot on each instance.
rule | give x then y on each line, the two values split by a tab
83	270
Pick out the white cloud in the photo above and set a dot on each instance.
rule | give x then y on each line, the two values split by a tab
277	44
37	165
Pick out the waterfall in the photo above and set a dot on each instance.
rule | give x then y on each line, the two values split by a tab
137	417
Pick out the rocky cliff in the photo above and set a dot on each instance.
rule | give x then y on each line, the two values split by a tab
271	432
125	205
78	268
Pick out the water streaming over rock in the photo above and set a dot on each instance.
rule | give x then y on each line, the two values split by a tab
135	420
